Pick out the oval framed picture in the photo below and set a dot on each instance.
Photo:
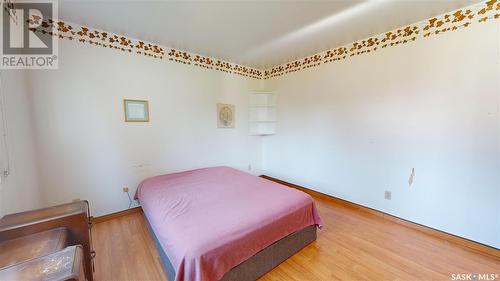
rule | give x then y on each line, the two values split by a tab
225	115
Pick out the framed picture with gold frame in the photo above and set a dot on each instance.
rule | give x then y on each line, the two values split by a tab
136	110
225	115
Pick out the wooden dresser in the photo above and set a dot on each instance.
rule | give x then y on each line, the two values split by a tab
66	264
28	235
26	247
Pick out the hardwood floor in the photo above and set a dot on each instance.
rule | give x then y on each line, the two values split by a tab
125	250
353	245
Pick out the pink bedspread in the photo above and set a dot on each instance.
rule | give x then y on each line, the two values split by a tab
210	220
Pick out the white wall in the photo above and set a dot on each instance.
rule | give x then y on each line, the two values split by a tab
20	190
356	128
87	151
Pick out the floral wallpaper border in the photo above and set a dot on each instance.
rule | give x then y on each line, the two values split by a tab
94	37
458	19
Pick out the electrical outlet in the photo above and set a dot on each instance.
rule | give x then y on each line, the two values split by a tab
125	189
387	195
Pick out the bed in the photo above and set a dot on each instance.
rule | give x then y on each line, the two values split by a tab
223	224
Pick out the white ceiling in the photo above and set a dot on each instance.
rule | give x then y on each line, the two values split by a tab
253	33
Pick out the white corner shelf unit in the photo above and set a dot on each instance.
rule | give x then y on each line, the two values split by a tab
262	113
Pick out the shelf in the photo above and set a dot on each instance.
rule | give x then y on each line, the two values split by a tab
262	100
262	113
262	128
261	93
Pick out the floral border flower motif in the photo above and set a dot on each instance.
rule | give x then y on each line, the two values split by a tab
461	18
94	37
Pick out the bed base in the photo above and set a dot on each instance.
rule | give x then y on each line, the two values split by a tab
260	263
270	257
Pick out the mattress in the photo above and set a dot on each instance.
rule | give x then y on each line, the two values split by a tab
208	221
